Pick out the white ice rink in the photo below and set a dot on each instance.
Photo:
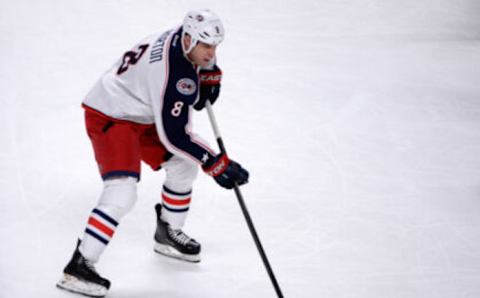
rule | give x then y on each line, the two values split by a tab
358	120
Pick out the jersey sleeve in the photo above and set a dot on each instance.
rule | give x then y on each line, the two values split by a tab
179	139
174	109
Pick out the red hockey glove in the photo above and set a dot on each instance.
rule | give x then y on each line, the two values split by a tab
226	172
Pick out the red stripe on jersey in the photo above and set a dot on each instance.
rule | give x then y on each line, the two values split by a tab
176	202
97	224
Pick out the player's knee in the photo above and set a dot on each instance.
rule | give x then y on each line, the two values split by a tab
181	176
186	173
119	196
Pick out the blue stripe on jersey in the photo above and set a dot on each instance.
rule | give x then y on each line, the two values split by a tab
96	236
176	105
175	193
105	216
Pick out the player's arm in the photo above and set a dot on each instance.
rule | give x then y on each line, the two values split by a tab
177	135
180	140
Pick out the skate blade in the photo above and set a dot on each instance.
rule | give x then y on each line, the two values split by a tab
72	284
171	252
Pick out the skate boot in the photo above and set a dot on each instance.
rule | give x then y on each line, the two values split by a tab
79	276
174	243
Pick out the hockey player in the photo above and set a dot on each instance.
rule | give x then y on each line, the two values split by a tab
140	110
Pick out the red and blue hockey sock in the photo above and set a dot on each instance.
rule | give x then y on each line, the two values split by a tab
175	207
98	233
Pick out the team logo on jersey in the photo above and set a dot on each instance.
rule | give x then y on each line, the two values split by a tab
186	86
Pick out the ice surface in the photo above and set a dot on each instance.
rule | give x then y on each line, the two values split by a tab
359	122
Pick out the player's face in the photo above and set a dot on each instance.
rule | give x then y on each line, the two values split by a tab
202	54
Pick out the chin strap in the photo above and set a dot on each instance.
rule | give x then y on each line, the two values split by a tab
194	42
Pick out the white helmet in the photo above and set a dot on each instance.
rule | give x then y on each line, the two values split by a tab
202	25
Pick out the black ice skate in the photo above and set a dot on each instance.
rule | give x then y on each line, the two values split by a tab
174	243
79	276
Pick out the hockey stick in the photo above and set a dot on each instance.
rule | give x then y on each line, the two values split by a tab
246	214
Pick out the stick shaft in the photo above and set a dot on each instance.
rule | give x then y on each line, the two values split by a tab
243	206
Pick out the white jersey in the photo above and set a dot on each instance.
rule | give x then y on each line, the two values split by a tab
154	83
